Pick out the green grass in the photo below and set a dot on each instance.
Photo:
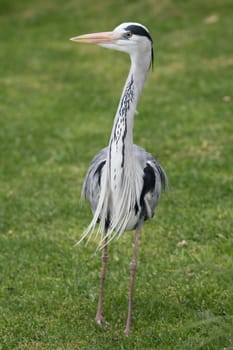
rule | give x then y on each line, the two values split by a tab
57	102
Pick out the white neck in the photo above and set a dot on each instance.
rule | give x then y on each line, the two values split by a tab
121	141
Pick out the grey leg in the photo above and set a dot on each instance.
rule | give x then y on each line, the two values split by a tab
99	317
133	266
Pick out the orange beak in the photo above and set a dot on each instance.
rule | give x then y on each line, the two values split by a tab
95	38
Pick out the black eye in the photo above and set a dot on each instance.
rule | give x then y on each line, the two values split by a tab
128	35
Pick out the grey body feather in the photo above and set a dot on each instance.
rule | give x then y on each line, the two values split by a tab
154	181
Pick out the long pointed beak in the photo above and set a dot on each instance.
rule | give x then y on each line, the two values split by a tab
95	38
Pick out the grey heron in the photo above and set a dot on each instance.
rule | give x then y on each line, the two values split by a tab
124	182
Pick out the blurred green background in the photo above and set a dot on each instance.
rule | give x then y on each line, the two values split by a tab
57	103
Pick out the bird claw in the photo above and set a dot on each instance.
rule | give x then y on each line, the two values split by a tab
126	331
99	320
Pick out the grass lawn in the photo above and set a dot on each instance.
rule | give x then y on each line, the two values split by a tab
57	103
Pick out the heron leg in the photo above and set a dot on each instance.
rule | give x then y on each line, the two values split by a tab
98	317
133	266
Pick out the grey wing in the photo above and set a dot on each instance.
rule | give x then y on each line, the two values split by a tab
91	185
154	181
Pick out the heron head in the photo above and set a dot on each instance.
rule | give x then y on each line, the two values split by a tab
130	37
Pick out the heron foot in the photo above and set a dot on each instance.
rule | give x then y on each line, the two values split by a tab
99	320
126	331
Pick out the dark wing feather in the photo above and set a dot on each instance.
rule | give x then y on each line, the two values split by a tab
91	185
154	181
